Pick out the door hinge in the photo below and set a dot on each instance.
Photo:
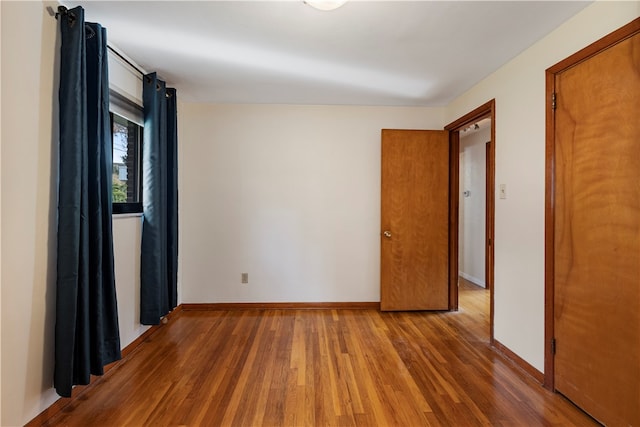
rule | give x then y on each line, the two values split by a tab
553	101
553	346
489	240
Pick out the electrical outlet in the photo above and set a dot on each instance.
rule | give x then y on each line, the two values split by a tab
245	278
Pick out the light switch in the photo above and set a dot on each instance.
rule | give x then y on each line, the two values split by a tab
503	191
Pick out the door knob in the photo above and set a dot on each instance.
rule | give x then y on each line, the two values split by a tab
387	234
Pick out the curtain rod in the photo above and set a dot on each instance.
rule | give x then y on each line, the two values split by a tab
119	55
63	11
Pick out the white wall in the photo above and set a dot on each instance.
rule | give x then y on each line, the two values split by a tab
0	223
28	215
29	128
471	252
288	194
519	90
127	233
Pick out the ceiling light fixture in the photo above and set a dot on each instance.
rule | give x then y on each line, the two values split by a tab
471	127
325	5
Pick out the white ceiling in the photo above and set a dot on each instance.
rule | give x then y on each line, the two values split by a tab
415	53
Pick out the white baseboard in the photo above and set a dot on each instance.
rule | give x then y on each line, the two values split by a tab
475	280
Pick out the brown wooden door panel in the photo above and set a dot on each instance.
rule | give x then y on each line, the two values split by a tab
597	234
489	218
415	211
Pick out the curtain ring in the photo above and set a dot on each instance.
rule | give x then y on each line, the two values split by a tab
89	32
71	17
62	11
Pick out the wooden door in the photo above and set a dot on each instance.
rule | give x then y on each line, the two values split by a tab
489	217
415	220
597	234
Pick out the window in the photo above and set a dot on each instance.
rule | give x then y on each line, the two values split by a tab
126	144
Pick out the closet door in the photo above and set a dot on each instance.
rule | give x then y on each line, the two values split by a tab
596	203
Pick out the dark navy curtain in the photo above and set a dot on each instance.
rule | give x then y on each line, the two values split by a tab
86	330
159	258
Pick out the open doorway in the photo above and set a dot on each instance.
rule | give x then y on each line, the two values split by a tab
473	285
472	223
472	177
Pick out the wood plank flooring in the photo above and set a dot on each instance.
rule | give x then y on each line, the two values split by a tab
321	368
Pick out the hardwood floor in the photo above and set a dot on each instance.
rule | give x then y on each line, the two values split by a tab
320	368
